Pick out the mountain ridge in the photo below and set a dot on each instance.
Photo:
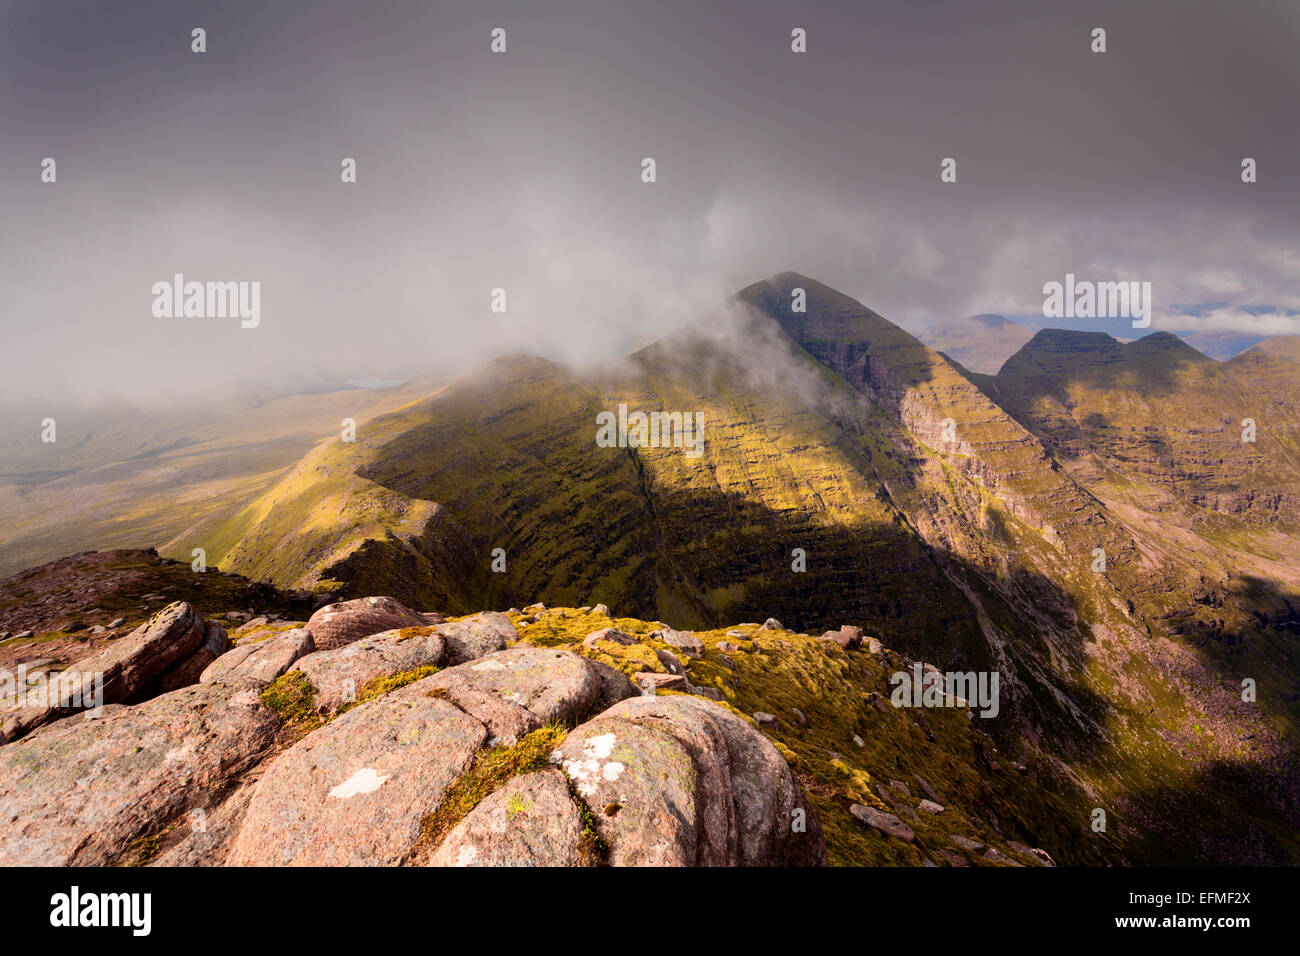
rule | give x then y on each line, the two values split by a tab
835	431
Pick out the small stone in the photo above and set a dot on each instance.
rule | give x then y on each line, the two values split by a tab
765	720
684	641
859	741
997	856
670	661
900	787
712	693
966	843
608	634
929	806
772	624
847	637
117	622
799	718
928	790
886	823
600	609
651	682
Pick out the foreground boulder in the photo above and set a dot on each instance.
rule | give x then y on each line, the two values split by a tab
679	781
336	625
126	670
224	773
354	792
531	821
472	637
189	669
256	665
260	629
82	790
339	675
515	691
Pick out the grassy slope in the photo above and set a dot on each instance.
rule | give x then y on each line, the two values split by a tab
127	477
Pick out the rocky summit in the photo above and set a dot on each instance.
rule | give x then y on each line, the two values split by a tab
513	739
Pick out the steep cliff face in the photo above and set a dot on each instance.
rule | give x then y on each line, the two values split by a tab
849	473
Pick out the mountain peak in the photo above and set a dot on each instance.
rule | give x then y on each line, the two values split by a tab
1164	346
1052	347
820	314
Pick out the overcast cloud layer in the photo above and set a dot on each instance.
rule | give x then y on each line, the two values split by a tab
522	171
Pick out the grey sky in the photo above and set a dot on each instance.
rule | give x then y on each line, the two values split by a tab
522	171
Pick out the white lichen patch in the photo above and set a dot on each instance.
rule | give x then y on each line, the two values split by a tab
593	765
467	855
364	780
488	666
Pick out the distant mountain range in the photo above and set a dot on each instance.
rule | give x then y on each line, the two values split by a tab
982	343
